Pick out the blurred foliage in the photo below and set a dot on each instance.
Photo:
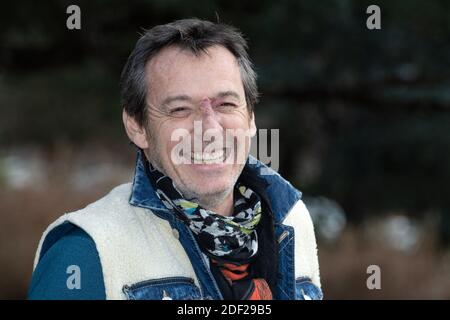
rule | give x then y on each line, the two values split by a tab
367	110
2	174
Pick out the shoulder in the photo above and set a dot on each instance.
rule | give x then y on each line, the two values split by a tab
280	193
92	219
70	252
299	217
306	258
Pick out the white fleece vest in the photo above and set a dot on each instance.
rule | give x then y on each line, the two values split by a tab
135	245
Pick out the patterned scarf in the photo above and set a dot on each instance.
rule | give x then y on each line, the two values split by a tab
231	242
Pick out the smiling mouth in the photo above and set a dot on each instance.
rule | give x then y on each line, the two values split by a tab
216	157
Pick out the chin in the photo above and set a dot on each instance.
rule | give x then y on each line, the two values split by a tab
206	188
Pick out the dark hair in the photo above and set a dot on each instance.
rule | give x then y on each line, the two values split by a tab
191	34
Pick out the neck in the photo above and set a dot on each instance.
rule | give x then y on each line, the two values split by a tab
223	207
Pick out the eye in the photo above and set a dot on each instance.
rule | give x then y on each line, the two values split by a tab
179	111
227	105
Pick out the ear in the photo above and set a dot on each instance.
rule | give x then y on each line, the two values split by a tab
252	125
135	132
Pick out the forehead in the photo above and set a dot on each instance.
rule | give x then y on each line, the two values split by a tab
174	71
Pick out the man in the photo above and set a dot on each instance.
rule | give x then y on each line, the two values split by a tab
197	222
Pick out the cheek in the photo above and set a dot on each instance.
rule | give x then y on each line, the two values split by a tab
171	140
239	121
159	140
167	144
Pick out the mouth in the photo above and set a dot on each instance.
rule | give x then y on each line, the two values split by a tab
217	157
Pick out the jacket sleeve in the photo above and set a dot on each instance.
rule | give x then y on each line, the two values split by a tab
69	269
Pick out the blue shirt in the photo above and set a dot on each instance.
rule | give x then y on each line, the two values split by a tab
72	247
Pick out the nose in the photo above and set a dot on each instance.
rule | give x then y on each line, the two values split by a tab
208	121
209	118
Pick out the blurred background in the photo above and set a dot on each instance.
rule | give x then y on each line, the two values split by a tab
364	119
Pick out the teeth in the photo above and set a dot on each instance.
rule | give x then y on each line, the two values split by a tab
204	157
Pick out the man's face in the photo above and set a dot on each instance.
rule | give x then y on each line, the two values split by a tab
205	91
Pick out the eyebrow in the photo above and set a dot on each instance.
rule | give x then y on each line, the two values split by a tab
230	93
183	97
171	99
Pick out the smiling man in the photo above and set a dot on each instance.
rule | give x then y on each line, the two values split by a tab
202	219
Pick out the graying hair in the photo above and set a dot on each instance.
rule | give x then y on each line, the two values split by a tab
190	34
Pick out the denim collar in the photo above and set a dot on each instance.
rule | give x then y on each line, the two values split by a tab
280	193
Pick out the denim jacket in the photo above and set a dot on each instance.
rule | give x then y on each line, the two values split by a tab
282	197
